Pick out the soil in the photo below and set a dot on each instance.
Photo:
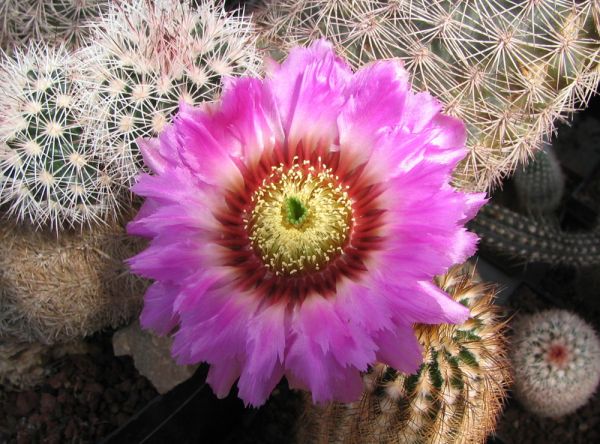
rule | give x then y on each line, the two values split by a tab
82	399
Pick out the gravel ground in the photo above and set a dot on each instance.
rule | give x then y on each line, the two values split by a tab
82	399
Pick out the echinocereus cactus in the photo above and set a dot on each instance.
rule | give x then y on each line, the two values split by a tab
56	289
508	68
60	22
145	58
297	225
540	185
528	239
556	361
454	397
49	173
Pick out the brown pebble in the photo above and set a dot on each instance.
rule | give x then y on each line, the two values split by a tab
23	437
47	403
26	402
57	381
70	429
125	386
93	387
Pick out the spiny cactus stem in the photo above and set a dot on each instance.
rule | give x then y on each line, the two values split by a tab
531	240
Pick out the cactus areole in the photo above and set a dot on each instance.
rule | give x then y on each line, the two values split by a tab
297	225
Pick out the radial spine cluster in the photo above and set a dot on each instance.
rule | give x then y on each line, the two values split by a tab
148	57
510	69
58	22
49	172
556	360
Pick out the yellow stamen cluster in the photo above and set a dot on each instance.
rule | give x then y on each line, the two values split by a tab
301	218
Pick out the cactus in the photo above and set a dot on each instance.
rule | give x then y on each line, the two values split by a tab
58	22
49	173
54	290
531	240
9	24
147	57
540	185
508	68
556	361
453	398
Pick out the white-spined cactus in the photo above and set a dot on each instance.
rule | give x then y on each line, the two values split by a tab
59	22
508	68
556	361
148	57
49	173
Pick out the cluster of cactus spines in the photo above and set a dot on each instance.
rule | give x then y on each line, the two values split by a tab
59	22
55	289
455	396
534	240
556	362
49	173
540	185
7	24
147	57
508	68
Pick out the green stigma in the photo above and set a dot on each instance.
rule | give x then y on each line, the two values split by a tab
296	211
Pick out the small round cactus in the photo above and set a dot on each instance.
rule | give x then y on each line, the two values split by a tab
54	290
148	57
556	361
49	174
455	397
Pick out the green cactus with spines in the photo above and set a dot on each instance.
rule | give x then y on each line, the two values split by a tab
528	239
509	69
49	173
454	397
539	186
146	58
556	360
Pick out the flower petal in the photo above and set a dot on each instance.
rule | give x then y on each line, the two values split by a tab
310	90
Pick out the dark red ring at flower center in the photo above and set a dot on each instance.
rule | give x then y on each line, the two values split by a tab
364	237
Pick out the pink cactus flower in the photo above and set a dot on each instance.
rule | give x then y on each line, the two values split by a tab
297	224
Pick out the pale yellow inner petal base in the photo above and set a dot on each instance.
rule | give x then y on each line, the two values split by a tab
301	218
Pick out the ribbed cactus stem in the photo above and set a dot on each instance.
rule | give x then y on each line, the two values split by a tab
453	398
531	240
509	69
540	185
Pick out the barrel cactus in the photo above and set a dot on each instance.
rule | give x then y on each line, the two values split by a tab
60	22
556	360
455	396
146	58
508	68
50	174
55	290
